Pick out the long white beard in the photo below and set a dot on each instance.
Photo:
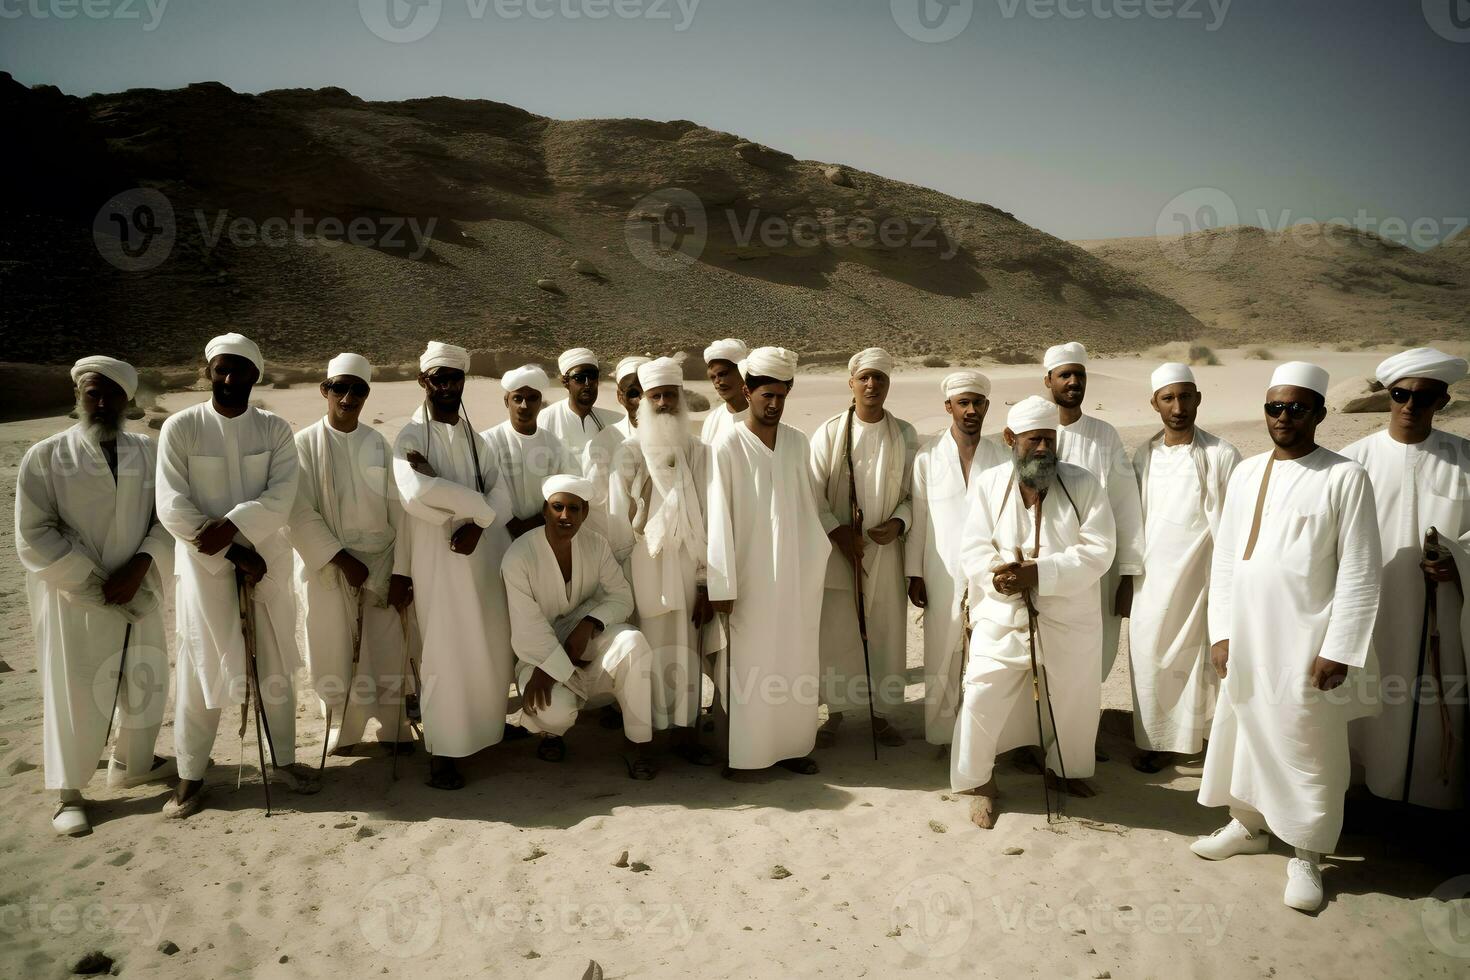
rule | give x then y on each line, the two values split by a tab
97	431
660	434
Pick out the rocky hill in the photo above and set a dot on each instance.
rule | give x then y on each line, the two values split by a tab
316	222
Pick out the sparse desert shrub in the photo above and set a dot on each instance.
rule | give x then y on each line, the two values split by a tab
1259	354
934	360
1200	354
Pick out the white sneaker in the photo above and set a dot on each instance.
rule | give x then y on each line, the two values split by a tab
1230	840
70	819
1303	885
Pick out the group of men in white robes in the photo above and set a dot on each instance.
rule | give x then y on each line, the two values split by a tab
1289	615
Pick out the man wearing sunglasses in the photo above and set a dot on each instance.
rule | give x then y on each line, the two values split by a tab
1293	593
577	419
1420	481
354	567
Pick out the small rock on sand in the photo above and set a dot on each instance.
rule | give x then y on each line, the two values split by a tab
937	827
593	971
638	867
168	947
779	871
364	831
622	861
583	267
92	964
536	852
18	765
1013	851
549	285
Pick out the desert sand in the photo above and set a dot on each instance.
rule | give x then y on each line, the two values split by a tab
868	869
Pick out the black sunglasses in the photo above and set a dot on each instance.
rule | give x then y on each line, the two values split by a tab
633	392
1421	399
585	376
1296	411
358	388
445	379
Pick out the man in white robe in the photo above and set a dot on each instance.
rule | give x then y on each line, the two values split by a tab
526	453
352	576
1039	536
1293	593
96	562
597	455
945	470
657	526
722	367
767	560
1421	480
227	476
454	497
1095	446
569	606
872	448
1182	475
576	419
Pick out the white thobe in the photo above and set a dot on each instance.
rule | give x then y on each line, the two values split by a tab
1174	685
1076	548
525	461
596	465
718	421
460	599
1417	487
244	469
573	430
768	552
75	525
544	610
882	459
346	500
932	552
665	566
1096	446
1278	746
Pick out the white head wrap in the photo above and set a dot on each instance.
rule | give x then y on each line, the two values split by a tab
439	354
659	372
352	365
525	376
770	362
629	365
574	358
1032	413
1171	373
562	483
728	349
1073	353
120	372
959	382
237	344
1301	375
1422	362
871	359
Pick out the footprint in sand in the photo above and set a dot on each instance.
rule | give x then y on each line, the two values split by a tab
121	859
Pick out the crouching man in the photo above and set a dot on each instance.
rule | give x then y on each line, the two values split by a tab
569	602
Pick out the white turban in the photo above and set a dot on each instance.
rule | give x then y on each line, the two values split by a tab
1300	374
871	359
525	376
959	382
629	365
121	372
728	349
1073	353
770	362
439	354
352	365
1422	362
237	344
1171	373
659	372
562	483
1033	413
574	357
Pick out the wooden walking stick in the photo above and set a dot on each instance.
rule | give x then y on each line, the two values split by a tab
402	691
252	684
121	667
351	680
1429	651
855	522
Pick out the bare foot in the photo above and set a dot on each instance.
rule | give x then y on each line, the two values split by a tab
983	809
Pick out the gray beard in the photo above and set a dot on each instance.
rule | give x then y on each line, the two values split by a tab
99	430
1037	472
659	434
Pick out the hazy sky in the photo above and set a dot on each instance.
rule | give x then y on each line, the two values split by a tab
1085	118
